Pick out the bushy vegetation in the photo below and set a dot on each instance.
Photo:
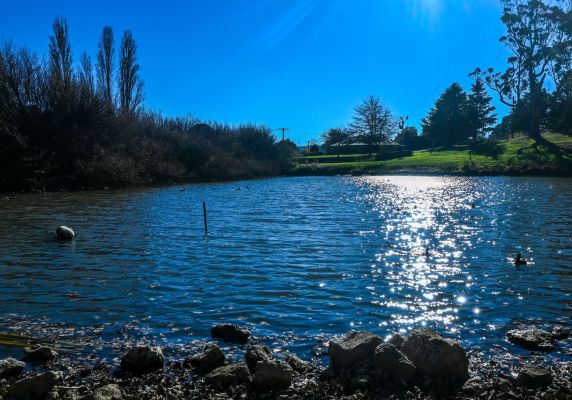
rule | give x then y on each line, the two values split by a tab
409	137
68	125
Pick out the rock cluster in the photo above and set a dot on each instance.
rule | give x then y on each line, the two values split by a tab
230	333
35	387
354	350
424	354
142	359
537	339
260	369
39	354
534	377
422	365
107	392
232	374
212	357
11	368
270	375
393	363
255	354
436	356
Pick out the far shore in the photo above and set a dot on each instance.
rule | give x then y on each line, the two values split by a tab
380	171
513	157
309	171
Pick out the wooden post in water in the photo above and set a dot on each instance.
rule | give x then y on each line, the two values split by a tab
205	216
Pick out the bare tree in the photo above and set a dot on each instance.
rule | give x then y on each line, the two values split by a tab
21	88
130	84
336	135
373	122
104	67
60	58
24	74
11	71
8	108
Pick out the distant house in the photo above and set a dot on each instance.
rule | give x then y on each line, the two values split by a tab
348	148
363	148
313	149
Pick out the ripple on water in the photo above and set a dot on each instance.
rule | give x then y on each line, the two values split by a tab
296	259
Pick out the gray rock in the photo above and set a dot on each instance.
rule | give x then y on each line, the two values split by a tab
393	363
296	363
353	350
232	374
230	333
211	358
64	233
34	388
143	359
474	386
107	392
327	373
397	340
534	377
436	356
39	354
255	354
11	368
502	384
531	339
560	333
272	375
360	382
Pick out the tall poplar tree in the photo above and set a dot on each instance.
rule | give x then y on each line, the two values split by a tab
104	66
130	83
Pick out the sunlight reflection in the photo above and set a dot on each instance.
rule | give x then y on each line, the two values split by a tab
428	242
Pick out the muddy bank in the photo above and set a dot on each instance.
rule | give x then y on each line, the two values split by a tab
359	365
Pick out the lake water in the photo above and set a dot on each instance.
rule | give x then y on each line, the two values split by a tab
297	260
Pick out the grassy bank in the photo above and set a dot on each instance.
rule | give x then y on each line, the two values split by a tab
518	156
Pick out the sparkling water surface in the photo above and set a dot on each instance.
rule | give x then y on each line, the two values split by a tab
297	260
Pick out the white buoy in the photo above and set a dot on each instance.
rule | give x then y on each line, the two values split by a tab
64	233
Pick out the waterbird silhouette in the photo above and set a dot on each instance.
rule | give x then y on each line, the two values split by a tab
518	260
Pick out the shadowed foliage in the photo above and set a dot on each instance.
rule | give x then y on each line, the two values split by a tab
61	126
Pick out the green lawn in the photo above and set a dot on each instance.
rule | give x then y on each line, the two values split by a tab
515	156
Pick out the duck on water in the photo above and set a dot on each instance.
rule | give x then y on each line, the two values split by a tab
518	260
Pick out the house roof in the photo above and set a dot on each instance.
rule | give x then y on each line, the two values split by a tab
340	144
349	144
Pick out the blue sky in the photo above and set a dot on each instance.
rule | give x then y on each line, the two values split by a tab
303	64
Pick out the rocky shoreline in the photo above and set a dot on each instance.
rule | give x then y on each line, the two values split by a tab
422	365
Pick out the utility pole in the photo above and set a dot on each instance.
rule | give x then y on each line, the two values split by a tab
283	130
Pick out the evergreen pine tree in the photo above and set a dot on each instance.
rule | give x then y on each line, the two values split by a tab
480	117
446	123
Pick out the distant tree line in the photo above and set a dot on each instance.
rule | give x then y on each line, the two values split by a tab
536	86
456	117
539	36
73	125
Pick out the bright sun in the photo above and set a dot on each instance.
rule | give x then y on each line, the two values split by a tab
430	9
